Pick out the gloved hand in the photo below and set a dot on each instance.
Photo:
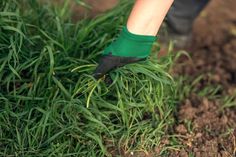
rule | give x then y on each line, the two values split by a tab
128	48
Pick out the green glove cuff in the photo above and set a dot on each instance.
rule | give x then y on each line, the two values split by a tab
131	45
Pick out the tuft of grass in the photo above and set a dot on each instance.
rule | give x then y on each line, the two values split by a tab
50	103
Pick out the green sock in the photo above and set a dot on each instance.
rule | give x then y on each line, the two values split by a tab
131	45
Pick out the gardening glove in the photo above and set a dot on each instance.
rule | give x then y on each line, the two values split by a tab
128	48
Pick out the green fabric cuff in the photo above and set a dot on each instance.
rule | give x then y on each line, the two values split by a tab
145	38
131	45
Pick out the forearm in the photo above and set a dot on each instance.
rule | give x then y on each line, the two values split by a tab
147	15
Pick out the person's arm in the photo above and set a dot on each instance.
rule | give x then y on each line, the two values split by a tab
147	16
136	39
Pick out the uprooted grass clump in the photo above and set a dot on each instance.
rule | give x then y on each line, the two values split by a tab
50	103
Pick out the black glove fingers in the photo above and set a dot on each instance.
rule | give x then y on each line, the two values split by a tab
109	62
105	65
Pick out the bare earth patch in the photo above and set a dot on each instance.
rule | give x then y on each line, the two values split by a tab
211	130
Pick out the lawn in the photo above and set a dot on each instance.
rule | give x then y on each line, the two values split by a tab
50	105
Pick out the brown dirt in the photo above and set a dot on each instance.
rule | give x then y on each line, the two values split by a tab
210	133
97	7
214	45
212	130
78	12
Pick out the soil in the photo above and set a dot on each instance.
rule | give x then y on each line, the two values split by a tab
213	49
94	7
210	132
203	127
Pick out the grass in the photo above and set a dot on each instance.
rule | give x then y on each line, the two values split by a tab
50	103
52	106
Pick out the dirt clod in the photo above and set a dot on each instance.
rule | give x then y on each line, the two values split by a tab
181	129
